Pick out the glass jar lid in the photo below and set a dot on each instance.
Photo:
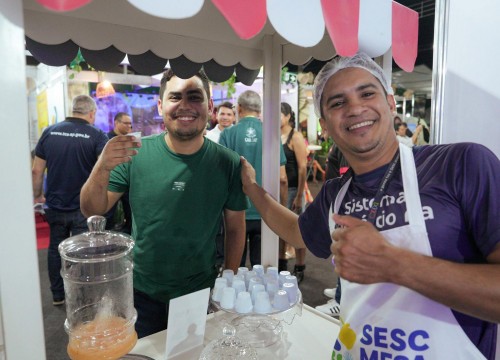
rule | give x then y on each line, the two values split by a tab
96	245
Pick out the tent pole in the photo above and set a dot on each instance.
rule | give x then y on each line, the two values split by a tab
273	54
20	300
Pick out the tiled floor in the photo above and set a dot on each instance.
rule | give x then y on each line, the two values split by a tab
318	275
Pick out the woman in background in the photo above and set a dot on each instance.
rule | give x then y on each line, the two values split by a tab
295	150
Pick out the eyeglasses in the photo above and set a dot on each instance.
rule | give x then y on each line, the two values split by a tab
126	123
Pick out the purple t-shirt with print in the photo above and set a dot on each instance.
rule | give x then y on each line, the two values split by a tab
460	200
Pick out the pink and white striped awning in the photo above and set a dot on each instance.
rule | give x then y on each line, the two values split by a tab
353	25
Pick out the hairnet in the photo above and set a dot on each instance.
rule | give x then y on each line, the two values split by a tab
360	60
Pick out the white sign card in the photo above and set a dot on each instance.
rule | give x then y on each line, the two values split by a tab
187	316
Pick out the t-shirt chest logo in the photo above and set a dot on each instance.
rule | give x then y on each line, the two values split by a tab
251	135
178	186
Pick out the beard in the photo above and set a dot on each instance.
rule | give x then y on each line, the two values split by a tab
186	135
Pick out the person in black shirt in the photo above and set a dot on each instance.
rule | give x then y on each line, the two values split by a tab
68	150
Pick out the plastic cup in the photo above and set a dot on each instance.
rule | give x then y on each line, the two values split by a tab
254	281
238	285
273	271
283	275
239	277
228	274
243	303
242	271
280	301
137	136
249	275
272	288
221	280
217	292
259	270
292	279
257	288
291	290
262	303
228	297
269	278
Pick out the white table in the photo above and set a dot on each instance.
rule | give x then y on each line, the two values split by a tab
310	336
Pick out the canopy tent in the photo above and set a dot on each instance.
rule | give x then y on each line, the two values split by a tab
223	36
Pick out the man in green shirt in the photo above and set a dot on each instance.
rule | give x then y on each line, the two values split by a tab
179	184
246	139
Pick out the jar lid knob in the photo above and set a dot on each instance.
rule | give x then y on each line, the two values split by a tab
96	223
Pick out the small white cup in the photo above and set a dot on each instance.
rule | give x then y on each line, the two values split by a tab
228	297
262	303
272	287
238	285
259	270
291	290
273	271
137	136
254	281
239	277
217	292
228	274
243	303
291	279
280	301
221	280
257	288
242	271
250	274
283	275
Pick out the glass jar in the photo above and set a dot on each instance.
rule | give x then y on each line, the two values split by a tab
97	273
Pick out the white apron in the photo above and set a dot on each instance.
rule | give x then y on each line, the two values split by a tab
387	321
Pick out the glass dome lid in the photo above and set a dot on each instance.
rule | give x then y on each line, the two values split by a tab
96	245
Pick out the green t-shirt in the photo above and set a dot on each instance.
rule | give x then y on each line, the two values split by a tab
246	139
177	203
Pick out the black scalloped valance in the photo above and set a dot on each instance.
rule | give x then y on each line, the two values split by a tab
147	63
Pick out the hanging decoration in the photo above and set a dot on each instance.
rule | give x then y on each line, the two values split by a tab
342	23
63	5
247	18
170	9
353	25
286	20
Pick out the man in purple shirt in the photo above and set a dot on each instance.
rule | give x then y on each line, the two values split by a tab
414	233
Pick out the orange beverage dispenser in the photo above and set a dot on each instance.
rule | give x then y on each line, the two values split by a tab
97	273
